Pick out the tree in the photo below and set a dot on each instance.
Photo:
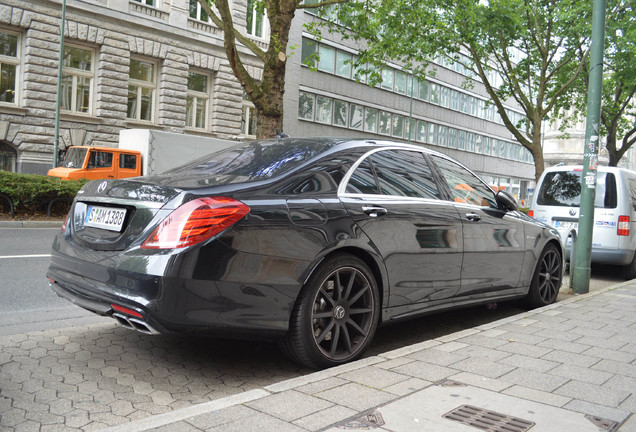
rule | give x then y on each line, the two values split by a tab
618	107
526	51
266	93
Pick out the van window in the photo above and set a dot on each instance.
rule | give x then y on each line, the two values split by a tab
100	159
563	188
632	188
127	161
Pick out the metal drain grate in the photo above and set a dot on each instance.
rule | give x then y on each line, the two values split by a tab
603	424
490	421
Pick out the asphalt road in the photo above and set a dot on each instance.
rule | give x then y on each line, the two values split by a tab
28	304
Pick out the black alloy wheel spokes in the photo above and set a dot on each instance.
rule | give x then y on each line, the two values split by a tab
343	313
549	276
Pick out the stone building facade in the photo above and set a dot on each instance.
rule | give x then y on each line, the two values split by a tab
102	39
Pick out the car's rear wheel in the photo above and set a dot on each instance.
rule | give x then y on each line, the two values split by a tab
335	317
546	281
629	271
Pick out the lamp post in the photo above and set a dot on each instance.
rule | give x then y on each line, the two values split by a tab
58	100
583	246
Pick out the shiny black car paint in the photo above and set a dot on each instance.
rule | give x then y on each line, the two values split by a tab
426	255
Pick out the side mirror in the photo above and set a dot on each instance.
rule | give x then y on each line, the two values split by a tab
505	201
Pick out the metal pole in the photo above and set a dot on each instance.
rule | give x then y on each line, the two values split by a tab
58	101
583	246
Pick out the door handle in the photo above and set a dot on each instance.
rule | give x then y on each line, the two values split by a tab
374	211
473	217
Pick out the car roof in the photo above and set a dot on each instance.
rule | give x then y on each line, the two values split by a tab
602	168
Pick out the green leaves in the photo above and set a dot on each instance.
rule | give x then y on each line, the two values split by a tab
31	194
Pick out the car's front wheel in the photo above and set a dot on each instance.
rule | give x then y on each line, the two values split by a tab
335	317
546	281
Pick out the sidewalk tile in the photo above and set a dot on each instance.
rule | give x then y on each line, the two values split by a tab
219	417
482	341
571	358
520	347
610	354
425	371
532	363
435	356
616	368
571	347
593	409
290	405
535	380
407	387
325	418
374	377
318	386
592	393
356	396
481	352
480	381
480	366
581	374
537	395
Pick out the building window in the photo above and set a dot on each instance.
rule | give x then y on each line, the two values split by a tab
197	13
248	118
327	59
77	79
197	101
141	90
323	109
146	2
306	106
343	64
8	157
256	19
384	127
9	62
340	113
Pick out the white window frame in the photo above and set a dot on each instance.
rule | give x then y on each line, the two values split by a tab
152	85
247	116
251	31
14	61
196	97
80	73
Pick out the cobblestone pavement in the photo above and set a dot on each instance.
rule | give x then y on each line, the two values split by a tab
91	377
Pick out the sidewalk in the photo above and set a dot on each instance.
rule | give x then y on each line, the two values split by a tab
567	367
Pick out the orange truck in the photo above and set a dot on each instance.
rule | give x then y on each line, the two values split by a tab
98	163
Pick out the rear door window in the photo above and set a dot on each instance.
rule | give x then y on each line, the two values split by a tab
563	188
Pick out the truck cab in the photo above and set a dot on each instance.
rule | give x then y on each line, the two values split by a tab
98	163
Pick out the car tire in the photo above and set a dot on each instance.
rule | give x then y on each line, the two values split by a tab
547	277
335	316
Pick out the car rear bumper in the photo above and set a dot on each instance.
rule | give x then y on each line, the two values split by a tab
229	295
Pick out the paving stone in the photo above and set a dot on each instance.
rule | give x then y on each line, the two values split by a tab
480	381
571	347
374	377
325	418
424	371
537	395
407	387
356	396
610	354
482	341
437	357
571	358
227	415
531	363
592	393
581	374
481	352
260	422
480	366
290	405
605	412
535	380
616	368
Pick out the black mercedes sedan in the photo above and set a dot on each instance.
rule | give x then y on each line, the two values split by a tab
312	242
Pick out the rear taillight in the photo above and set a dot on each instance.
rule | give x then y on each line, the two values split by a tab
531	213
623	225
196	221
65	222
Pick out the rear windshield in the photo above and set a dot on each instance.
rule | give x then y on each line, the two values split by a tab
563	188
253	161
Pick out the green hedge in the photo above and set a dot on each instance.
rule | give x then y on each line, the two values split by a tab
32	194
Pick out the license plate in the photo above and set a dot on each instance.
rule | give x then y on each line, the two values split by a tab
565	225
107	218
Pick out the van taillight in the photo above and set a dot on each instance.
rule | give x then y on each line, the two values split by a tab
531	213
623	225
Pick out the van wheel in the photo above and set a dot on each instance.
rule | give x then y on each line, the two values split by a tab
335	315
546	281
629	271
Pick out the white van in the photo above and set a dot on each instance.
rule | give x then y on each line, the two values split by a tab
556	202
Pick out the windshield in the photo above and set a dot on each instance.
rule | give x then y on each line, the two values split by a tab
74	157
563	188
